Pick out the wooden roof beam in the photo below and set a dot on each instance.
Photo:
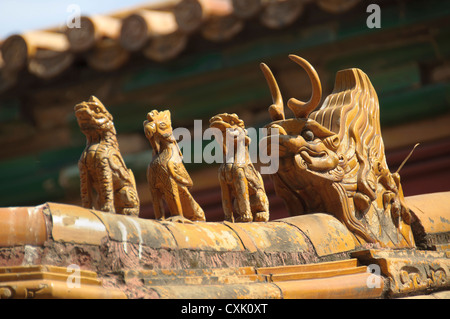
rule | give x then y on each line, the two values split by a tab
98	37
246	9
91	31
337	6
155	33
190	14
215	18
45	54
107	55
277	14
139	27
18	48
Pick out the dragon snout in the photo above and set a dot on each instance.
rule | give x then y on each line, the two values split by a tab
332	142
319	160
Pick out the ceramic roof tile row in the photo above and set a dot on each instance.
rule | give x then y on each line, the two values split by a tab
159	31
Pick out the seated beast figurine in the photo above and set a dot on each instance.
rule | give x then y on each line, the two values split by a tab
102	168
242	185
166	175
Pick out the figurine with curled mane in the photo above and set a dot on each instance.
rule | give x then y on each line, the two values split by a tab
332	158
103	172
242	186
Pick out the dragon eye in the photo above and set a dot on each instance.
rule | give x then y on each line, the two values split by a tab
162	125
308	135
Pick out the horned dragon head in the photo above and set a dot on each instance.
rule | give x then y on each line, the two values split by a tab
332	157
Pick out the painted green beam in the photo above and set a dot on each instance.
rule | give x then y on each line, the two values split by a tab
413	104
31	190
393	16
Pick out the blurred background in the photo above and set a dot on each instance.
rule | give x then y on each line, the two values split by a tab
199	58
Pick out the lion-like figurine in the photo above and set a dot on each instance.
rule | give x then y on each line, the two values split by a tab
241	184
166	175
102	168
332	159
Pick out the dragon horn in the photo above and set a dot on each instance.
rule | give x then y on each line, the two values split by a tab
276	110
302	109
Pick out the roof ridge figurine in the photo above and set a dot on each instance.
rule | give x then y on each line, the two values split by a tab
166	175
102	168
332	158
242	186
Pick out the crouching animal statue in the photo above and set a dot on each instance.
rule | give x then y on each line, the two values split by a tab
166	175
332	159
102	168
241	184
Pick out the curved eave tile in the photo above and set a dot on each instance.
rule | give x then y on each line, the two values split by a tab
432	210
272	236
205	236
327	234
22	226
137	231
74	224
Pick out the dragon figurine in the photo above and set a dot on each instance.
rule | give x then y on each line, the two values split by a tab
332	158
102	168
241	184
166	175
